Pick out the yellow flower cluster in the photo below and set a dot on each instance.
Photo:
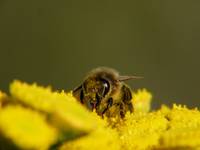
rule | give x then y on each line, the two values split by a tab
61	107
34	108
27	128
34	117
141	101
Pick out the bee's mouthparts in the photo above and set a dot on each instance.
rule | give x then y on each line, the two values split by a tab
93	104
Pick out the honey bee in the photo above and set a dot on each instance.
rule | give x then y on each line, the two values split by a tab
104	91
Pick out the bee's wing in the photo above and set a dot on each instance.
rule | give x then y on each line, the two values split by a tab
127	97
78	93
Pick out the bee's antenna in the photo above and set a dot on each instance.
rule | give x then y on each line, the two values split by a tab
124	78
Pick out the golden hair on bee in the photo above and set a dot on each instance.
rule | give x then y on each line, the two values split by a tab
104	90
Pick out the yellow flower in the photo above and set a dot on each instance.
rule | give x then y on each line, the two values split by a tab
26	128
142	131
142	100
183	128
40	118
63	109
103	138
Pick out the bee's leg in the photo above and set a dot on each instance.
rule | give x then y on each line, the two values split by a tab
127	97
122	110
109	104
78	93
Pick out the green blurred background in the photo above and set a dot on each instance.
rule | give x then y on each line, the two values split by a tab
57	42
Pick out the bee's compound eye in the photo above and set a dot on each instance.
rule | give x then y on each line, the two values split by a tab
106	86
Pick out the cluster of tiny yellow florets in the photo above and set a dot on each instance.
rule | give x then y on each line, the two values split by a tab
34	117
26	128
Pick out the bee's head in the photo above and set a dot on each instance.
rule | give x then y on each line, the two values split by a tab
95	89
98	84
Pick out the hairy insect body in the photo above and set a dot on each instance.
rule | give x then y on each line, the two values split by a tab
104	90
